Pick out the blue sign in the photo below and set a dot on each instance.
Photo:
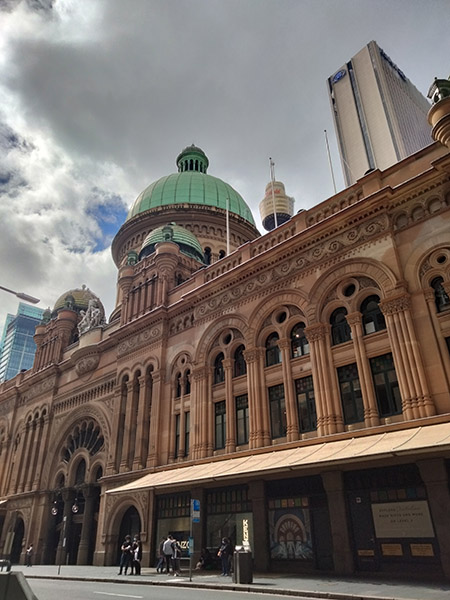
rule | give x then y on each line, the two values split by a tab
195	511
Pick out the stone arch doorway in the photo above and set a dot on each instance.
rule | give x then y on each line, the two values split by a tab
130	525
16	549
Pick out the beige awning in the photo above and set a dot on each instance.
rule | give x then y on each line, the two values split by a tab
419	440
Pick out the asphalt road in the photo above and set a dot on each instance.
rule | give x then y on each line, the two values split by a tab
46	589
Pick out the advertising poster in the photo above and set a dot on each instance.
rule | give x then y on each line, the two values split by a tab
290	529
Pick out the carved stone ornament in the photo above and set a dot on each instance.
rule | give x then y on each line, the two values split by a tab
40	388
87	363
137	341
395	305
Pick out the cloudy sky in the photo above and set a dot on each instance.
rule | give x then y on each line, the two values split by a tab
97	98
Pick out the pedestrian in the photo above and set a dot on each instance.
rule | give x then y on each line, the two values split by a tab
137	555
176	556
225	552
29	556
126	556
161	560
168	552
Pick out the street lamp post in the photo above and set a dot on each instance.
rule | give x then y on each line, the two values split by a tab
21	295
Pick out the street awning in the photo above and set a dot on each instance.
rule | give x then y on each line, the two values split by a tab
417	441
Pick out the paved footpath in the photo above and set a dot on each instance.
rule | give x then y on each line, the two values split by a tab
333	588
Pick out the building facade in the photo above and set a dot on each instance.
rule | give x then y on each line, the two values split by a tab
18	347
379	115
298	387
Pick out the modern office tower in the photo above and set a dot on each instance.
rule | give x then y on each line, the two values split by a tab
379	116
18	347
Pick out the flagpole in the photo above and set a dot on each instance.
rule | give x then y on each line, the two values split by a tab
272	178
329	160
228	225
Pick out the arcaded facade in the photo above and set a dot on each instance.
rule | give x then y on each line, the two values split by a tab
298	385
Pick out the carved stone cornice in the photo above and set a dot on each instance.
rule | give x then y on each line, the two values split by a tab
299	258
391	306
139	340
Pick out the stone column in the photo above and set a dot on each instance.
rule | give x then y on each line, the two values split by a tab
24	458
434	475
342	552
113	457
197	406
129	412
416	399
230	443
61	553
444	356
157	381
208	434
171	424
260	526
263	410
42	449
90	494
253	396
316	335
142	423
371	417
291	404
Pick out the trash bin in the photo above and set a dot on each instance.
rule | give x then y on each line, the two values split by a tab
242	566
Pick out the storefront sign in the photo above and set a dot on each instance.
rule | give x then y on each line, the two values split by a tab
421	550
402	520
392	549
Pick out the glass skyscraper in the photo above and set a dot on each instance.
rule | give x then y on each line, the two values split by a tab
18	347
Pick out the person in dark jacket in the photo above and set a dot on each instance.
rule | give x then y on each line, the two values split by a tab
225	552
126	556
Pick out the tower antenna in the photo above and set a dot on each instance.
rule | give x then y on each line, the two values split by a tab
272	179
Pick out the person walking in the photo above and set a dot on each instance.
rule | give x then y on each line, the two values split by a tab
126	556
29	556
225	552
176	556
161	560
168	552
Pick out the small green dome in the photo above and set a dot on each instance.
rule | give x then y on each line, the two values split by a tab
191	185
186	240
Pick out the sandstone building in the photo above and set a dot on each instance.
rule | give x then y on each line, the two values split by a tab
298	387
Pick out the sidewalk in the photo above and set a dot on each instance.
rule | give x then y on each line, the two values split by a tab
337	588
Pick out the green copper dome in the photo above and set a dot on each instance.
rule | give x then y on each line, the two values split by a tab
186	240
191	185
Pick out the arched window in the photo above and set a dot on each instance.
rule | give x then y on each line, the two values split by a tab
219	372
80	474
187	383
340	329
207	256
221	254
240	366
440	295
372	317
299	343
273	352
178	387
